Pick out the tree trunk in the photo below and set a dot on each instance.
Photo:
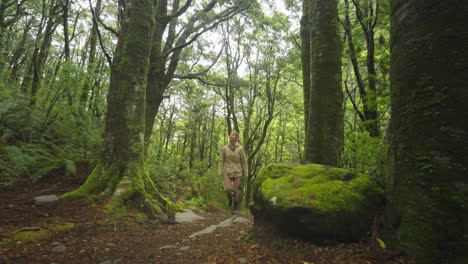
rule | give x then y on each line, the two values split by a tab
428	162
305	62
156	75
368	94
324	141
92	67
19	56
121	171
41	54
66	36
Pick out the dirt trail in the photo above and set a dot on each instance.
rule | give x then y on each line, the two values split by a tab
97	238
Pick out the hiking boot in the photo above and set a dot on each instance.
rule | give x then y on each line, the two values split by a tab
236	206
230	205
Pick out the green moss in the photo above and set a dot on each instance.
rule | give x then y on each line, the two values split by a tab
62	226
320	202
140	217
130	189
314	186
100	180
27	234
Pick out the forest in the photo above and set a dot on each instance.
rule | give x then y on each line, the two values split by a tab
351	114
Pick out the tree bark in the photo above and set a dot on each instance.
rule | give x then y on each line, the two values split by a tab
66	36
120	170
324	141
41	53
305	62
428	162
92	56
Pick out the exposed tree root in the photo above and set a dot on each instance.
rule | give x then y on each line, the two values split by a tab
130	189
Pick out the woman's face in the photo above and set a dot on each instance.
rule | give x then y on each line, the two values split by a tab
233	137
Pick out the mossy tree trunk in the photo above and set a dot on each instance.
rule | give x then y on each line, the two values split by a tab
324	96
305	62
120	171
428	156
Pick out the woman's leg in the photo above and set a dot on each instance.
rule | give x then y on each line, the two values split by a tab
228	188
236	188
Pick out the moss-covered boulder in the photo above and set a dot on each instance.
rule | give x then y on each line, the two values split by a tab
314	202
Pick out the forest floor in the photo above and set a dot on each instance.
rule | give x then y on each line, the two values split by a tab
98	238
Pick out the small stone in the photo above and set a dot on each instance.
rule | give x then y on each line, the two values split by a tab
240	219
227	222
187	216
207	230
110	245
243	260
59	248
45	199
167	246
82	251
184	248
178	253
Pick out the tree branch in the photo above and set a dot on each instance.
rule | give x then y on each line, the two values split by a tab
181	10
108	57
195	77
361	116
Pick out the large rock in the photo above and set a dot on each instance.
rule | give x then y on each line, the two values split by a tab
314	202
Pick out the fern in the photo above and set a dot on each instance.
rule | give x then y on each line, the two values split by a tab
17	158
70	167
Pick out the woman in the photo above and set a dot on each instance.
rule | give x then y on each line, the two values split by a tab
234	162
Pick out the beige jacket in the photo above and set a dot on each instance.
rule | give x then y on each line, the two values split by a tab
234	161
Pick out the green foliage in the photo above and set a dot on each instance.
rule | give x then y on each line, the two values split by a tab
212	189
47	139
363	152
70	167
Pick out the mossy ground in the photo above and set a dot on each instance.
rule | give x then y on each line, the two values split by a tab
27	234
43	231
